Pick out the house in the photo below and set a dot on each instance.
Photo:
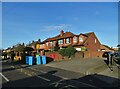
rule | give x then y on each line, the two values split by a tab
81	42
115	49
35	45
106	48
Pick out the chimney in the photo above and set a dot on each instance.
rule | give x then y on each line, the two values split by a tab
39	40
33	41
61	33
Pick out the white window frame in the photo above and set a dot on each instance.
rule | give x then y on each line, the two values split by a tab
75	39
78	49
46	43
67	40
80	39
60	41
95	41
51	43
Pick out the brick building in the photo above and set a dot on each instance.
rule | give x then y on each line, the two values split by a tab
81	42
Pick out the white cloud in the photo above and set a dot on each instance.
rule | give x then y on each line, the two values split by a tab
56	27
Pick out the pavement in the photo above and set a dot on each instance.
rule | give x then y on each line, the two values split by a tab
73	73
87	66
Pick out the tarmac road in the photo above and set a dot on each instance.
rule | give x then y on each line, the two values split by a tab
17	75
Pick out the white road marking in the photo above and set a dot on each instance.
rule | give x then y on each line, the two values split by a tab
4	77
43	78
58	76
57	83
37	70
46	72
12	66
67	86
61	77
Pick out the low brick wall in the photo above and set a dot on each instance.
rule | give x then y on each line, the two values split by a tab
78	55
57	55
93	54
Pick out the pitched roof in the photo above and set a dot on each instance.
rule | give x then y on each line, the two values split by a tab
105	46
65	35
33	43
88	34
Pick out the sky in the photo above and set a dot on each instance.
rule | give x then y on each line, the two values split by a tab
27	21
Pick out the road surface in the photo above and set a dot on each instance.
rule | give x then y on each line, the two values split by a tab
17	75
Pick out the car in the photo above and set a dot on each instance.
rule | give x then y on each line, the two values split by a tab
116	57
106	54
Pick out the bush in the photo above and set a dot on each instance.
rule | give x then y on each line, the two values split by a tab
8	53
62	52
83	49
19	48
56	48
69	51
4	53
46	50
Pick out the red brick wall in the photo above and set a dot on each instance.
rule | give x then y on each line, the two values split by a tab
79	55
93	54
90	43
57	55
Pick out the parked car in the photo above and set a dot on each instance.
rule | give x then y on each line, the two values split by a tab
116	57
106	54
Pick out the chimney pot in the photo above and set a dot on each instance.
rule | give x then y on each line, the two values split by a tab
61	33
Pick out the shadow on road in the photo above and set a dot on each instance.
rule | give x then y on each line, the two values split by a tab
106	61
48	59
17	65
49	79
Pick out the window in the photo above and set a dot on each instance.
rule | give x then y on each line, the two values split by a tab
80	39
60	41
51	43
41	46
74	39
33	47
68	40
47	44
78	49
95	41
